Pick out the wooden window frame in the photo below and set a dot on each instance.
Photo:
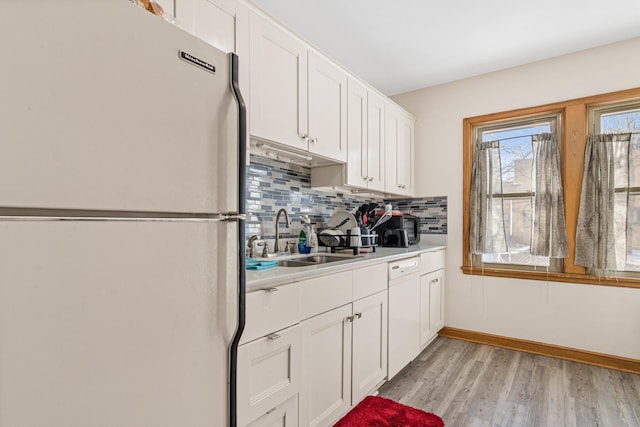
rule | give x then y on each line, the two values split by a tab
574	119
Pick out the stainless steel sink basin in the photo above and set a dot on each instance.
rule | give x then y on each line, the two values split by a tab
316	259
293	263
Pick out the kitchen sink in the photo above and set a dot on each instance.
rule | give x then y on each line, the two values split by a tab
316	259
293	263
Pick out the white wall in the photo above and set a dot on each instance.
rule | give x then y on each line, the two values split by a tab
597	318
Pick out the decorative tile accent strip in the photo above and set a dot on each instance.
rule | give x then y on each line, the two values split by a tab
431	210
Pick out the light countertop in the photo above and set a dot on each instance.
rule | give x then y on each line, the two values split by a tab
258	279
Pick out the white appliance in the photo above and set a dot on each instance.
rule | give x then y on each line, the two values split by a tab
404	313
122	152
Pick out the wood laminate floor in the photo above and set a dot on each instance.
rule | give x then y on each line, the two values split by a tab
470	384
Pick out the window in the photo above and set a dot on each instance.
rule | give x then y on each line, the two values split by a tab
514	202
571	122
614	132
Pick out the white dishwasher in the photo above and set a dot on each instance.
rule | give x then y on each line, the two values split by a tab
404	313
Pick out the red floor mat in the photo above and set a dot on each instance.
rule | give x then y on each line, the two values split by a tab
376	411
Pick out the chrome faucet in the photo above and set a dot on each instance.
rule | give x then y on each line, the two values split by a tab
276	244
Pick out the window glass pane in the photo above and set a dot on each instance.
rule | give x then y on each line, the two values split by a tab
516	156
518	230
622	119
620	122
634	161
633	234
516	153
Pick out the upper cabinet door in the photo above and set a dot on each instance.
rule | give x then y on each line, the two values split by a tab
327	109
375	141
357	156
223	24
399	152
405	154
278	85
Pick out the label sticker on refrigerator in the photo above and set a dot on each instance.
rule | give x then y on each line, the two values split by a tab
196	61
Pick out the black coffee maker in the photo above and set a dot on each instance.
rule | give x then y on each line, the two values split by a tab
395	237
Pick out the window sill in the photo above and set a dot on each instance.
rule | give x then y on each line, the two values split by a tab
624	282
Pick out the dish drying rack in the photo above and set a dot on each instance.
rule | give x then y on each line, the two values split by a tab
343	241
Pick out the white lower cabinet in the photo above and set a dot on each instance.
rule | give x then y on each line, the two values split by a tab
431	296
345	358
283	415
344	340
404	323
327	367
431	319
369	345
269	375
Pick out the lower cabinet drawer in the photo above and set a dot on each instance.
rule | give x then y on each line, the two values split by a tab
271	309
285	415
431	261
269	373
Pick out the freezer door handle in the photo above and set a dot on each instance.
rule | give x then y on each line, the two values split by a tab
233	217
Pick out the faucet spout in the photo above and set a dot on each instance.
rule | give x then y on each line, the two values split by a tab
276	244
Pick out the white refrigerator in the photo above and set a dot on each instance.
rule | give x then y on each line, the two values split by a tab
122	158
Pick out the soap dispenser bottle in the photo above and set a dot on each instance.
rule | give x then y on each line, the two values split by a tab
313	240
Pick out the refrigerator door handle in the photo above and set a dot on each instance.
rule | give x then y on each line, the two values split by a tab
233	217
226	217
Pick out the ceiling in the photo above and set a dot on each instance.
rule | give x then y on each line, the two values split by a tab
401	45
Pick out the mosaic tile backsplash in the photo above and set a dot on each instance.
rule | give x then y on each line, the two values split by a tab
273	184
431	210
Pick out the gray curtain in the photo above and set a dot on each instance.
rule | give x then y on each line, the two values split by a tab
602	221
548	233
487	233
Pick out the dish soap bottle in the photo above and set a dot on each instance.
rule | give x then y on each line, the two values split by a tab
303	243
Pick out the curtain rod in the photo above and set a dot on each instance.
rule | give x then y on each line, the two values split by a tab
530	136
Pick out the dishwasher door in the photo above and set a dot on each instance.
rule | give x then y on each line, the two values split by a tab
404	313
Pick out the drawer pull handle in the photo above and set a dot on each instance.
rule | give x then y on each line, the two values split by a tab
271	290
270	410
273	337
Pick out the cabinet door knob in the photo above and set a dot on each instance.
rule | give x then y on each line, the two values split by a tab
365	178
370	178
304	137
273	337
349	319
314	140
358	315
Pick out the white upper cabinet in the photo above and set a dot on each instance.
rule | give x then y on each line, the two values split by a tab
327	108
221	23
375	142
357	161
278	85
365	137
399	148
298	98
